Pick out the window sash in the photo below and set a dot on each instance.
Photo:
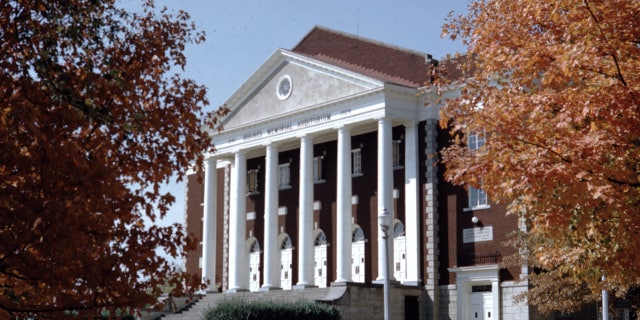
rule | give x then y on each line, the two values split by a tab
356	162
396	154
475	141
252	181
317	169
477	198
285	176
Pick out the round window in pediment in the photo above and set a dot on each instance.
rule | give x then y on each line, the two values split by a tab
285	87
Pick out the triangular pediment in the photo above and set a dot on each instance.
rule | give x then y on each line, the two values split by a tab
312	83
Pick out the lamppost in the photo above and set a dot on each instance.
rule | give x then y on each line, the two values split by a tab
383	222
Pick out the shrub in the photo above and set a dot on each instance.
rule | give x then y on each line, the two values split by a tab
268	310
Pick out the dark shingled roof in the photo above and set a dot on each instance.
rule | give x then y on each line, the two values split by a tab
374	59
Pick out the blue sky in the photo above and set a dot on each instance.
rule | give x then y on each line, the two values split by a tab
242	34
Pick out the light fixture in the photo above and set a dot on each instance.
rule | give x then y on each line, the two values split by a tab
475	220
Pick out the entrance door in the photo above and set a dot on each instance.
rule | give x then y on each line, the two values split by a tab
400	258
254	271
357	261
357	255
320	272
481	306
285	268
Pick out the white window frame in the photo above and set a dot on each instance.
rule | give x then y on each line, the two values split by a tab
475	140
477	196
356	162
478	199
284	176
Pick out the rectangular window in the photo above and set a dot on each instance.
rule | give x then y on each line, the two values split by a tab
477	198
356	162
317	170
396	154
285	176
252	182
475	141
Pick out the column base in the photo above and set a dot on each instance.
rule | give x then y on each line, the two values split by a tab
413	283
269	288
236	290
381	281
303	286
340	283
211	290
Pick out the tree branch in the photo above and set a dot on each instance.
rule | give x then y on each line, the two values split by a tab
569	161
615	59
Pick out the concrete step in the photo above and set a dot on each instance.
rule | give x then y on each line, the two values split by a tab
211	300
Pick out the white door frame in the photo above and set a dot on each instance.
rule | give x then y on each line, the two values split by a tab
400	249
466	278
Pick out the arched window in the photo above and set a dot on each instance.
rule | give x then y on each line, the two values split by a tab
398	229
357	235
286	243
321	239
255	246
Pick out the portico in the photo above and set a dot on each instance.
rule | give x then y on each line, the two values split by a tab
304	249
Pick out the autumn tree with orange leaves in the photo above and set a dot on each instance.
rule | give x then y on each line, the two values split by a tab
93	121
555	87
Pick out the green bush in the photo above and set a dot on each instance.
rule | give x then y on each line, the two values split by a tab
267	310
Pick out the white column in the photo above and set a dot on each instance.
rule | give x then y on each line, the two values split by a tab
305	229
271	250
385	191
343	202
237	226
412	223
209	226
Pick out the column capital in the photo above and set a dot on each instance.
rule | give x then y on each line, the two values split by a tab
343	128
381	118
306	136
409	122
270	144
239	152
210	161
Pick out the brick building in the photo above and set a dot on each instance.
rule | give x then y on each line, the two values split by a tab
319	140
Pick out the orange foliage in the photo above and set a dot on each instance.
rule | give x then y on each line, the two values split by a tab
558	83
91	125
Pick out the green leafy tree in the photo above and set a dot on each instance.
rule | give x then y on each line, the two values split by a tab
555	87
92	123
